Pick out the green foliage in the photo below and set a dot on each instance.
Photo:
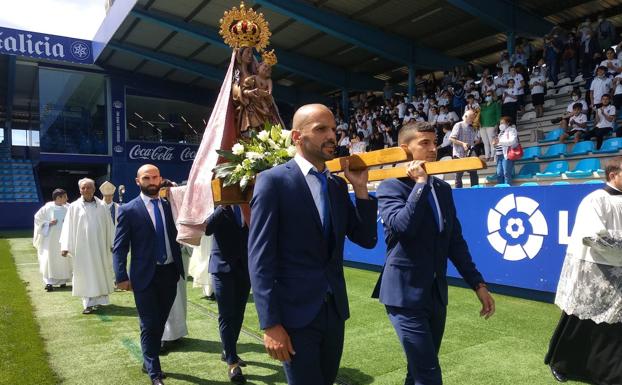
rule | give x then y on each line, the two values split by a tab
268	148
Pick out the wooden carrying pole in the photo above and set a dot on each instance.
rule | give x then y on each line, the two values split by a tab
391	159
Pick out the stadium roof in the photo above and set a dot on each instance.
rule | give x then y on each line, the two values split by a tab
325	46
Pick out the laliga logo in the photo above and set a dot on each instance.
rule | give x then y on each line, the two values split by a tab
516	228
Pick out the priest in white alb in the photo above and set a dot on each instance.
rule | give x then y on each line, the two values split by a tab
55	269
87	236
587	344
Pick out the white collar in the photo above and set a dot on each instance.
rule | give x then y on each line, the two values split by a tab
147	199
609	184
305	165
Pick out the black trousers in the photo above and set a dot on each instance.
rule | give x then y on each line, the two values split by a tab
231	290
154	304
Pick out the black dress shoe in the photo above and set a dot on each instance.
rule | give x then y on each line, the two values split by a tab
558	376
236	376
211	297
49	288
157	381
64	285
144	370
238	360
88	310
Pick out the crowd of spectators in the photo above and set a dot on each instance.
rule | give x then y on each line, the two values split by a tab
374	119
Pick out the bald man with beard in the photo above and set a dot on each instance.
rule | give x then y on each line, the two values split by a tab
145	224
301	215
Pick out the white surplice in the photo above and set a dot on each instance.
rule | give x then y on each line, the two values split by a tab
176	327
199	264
55	269
87	234
590	284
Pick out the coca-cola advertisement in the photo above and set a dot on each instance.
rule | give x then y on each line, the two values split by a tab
160	152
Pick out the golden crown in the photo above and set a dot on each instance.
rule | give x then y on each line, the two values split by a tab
269	57
244	28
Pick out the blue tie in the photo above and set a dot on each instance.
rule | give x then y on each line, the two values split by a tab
237	214
434	208
112	212
161	250
326	204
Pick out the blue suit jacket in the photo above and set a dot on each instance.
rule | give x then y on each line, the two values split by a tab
416	252
290	266
230	245
135	229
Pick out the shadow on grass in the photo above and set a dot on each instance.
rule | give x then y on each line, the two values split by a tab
354	376
194	379
116	310
252	379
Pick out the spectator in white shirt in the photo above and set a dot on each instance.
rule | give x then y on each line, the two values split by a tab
357	144
611	64
576	98
487	85
605	118
401	108
519	84
617	95
577	123
600	86
446	147
536	84
504	62
510	100
500	82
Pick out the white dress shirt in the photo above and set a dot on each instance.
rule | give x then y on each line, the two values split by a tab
313	182
149	206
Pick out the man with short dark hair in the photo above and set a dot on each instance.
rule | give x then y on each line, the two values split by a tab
55	269
421	232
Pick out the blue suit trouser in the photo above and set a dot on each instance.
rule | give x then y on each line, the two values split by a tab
231	291
318	348
420	332
154	304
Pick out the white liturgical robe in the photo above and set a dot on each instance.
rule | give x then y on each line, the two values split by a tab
54	268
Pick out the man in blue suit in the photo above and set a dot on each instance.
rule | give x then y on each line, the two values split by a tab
300	217
146	225
421	231
228	265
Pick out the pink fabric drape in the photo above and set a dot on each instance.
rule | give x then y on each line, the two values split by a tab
198	202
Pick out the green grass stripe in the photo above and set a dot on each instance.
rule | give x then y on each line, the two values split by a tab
23	359
133	348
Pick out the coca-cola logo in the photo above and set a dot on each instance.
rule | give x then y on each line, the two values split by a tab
161	153
188	154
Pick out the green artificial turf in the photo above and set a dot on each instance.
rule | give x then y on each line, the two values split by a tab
105	349
22	355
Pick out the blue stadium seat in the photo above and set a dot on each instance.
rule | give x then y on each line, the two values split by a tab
502	185
554	151
478	186
528	171
552	136
554	169
581	148
527	184
560	183
585	168
610	146
594	181
531	153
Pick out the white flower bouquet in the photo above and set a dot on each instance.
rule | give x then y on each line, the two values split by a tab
263	150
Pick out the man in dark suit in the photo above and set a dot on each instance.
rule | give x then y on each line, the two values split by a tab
421	231
228	265
300	217
146	225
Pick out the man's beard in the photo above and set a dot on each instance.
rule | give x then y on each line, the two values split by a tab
150	190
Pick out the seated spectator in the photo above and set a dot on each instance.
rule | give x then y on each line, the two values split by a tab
489	117
576	98
510	100
446	147
601	85
611	63
473	92
577	124
357	144
605	118
420	115
376	141
507	138
444	99
537	84
446	116
433	116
